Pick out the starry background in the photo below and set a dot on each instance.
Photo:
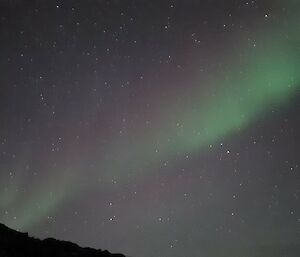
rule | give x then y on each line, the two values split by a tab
152	128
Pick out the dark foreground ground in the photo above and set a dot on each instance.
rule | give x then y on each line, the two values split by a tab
17	244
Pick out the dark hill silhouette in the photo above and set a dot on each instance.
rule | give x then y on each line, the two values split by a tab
18	244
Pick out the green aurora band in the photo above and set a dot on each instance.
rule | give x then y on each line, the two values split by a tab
268	76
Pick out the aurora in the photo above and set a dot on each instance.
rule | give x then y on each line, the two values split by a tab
249	80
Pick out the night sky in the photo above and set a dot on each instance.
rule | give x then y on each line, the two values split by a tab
152	128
